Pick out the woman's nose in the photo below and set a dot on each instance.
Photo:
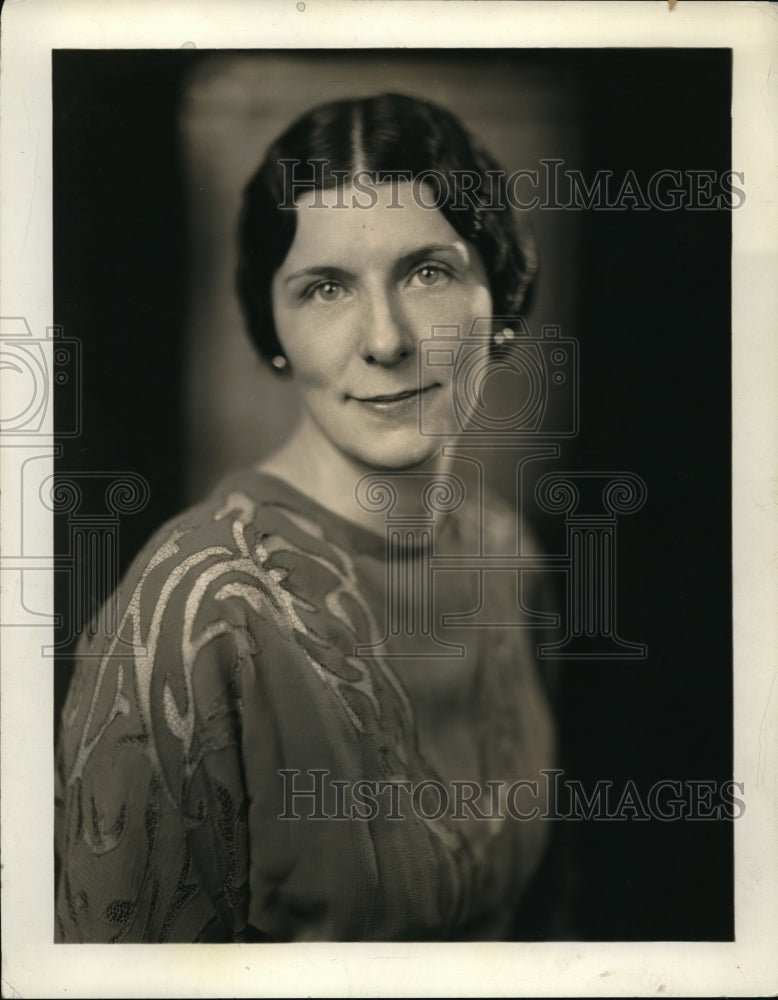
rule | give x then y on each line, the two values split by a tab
387	338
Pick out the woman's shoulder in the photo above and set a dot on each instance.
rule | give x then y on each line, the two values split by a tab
222	524
197	556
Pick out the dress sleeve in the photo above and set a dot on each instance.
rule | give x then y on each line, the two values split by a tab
151	806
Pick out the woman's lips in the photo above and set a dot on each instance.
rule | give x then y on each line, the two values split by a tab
387	402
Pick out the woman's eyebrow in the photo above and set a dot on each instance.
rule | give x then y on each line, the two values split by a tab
319	271
458	249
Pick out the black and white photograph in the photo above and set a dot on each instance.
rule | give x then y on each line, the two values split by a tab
388	564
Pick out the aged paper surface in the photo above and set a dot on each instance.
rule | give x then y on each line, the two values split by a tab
32	964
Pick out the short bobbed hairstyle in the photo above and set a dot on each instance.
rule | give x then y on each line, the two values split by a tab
386	136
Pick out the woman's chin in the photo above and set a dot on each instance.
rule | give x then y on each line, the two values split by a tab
395	456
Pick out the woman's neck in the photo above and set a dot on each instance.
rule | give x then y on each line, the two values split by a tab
312	464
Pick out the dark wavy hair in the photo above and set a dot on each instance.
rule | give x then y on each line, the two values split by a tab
382	135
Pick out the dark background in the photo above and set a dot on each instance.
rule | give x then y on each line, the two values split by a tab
654	329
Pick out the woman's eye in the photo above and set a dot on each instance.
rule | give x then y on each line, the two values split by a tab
430	274
326	291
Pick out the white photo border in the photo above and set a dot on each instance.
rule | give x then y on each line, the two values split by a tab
32	964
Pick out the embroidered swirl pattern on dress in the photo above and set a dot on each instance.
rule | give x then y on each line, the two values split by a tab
246	566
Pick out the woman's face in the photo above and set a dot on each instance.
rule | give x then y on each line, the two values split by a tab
358	292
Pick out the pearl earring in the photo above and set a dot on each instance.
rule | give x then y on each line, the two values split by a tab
505	334
279	362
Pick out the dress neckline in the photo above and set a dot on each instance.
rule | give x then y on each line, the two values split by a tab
272	489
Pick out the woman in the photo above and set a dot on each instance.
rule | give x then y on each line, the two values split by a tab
282	742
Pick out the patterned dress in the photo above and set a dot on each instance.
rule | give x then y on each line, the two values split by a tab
258	754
